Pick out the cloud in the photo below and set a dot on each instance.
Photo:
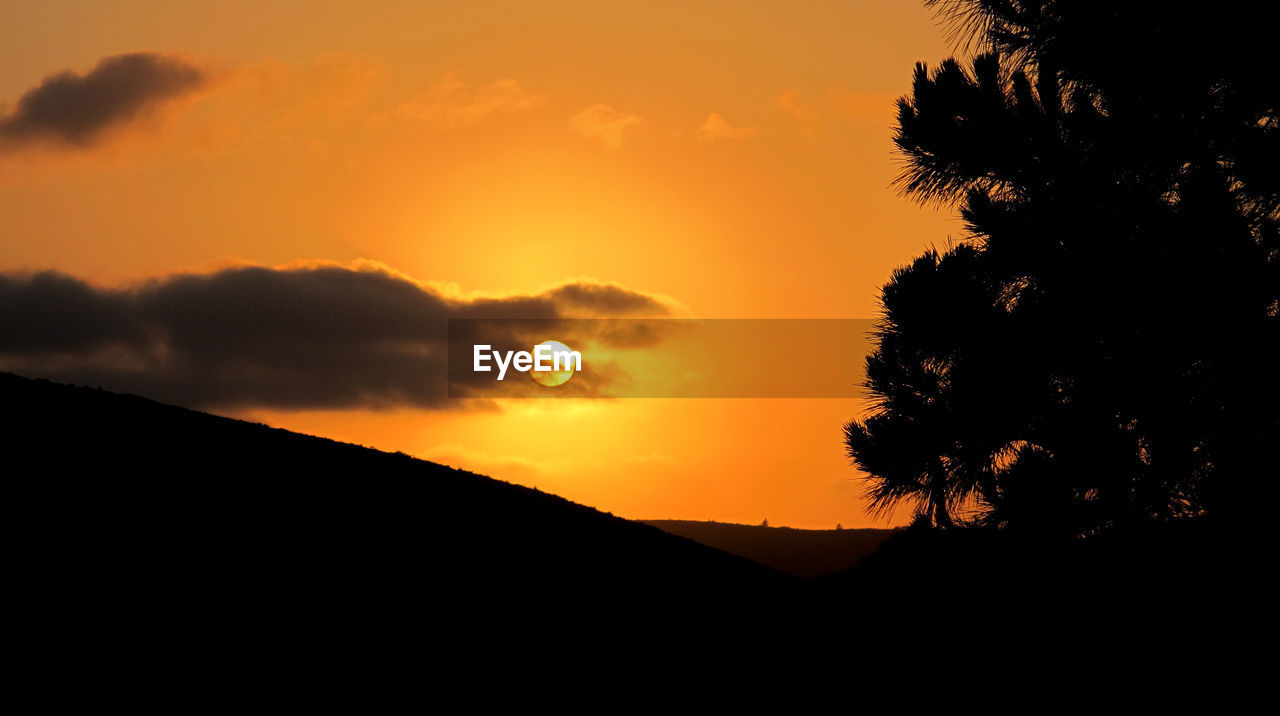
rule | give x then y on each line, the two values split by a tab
326	85
789	101
76	110
454	103
514	468
605	124
586	297
716	128
317	336
838	102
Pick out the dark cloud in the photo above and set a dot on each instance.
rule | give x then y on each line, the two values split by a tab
318	337
594	298
77	109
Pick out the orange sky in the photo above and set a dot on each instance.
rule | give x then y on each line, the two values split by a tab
732	156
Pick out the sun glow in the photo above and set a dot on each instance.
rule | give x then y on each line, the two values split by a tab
552	378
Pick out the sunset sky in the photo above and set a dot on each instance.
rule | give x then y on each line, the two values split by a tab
705	159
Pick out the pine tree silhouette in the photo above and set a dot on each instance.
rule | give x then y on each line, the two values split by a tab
1100	349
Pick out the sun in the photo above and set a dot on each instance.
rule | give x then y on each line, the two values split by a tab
552	378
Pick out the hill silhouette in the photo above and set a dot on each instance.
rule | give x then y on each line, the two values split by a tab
252	488
800	552
159	528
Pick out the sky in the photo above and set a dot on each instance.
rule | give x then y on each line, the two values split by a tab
252	207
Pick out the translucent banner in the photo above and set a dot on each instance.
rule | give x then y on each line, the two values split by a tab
657	358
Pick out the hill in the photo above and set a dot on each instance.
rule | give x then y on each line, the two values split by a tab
121	463
156	526
803	553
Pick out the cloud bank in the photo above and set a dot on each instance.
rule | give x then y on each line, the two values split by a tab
76	110
321	336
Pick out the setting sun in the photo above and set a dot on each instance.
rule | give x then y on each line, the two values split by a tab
562	369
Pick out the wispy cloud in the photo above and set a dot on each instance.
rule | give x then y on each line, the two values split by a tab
516	468
605	124
320	86
717	128
454	103
837	103
789	101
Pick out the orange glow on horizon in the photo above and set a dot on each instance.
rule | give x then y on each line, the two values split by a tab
734	157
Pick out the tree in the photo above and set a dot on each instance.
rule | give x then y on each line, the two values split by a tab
1098	350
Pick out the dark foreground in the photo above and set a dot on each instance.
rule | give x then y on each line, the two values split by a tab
153	542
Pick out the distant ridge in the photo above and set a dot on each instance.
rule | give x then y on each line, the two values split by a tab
800	552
